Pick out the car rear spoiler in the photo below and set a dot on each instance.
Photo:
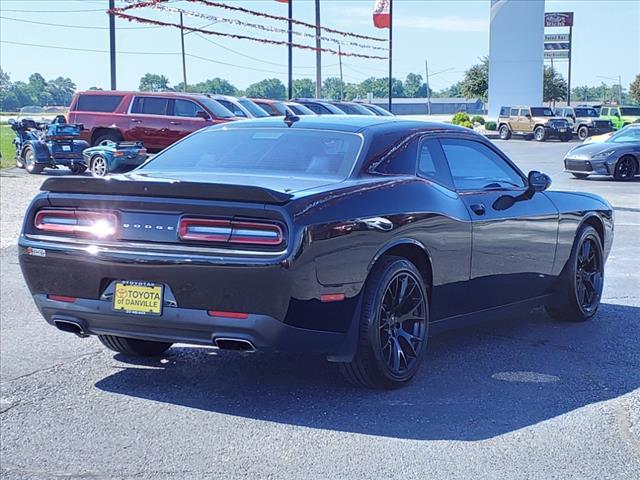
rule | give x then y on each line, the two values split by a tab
160	188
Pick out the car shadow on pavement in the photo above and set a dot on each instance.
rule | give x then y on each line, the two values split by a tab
475	383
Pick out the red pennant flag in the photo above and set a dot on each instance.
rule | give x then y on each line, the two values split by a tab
381	16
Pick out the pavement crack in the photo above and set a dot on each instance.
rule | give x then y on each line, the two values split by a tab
54	366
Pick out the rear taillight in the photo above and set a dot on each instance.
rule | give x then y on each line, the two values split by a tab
228	231
77	222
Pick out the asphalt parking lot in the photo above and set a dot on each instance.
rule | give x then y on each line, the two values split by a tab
522	398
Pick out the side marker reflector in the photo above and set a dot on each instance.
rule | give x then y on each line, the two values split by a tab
62	298
331	297
236	315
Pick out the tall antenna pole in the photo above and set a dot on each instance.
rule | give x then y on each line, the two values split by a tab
184	61
341	80
112	43
426	67
318	53
290	48
390	50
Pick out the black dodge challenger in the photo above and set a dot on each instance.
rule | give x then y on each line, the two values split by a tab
350	237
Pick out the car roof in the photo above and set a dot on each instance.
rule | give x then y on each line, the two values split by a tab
346	123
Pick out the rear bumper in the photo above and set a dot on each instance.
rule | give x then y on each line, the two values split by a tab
183	325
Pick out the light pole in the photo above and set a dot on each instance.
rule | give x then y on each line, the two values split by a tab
112	43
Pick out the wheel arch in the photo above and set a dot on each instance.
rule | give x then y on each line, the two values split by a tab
596	222
412	250
99	131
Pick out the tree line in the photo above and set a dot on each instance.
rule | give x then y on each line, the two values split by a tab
475	84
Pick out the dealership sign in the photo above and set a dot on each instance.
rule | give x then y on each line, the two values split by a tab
558	19
556	37
556	54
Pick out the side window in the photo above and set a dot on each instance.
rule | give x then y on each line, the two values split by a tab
524	112
474	166
185	108
432	164
613	111
232	107
504	111
604	111
98	103
319	109
514	112
150	105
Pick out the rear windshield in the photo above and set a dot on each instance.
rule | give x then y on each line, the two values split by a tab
255	110
353	109
541	112
293	152
98	103
299	109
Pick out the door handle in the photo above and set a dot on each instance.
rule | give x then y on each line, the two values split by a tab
478	208
174	123
135	120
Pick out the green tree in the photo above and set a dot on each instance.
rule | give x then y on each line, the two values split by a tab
634	89
476	81
215	85
554	86
331	88
268	88
414	87
22	93
379	87
154	82
452	91
61	90
304	88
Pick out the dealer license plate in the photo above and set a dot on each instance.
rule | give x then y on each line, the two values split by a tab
140	298
66	148
562	130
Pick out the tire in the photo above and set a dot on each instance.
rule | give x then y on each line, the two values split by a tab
580	291
504	132
107	137
390	350
626	169
583	133
29	160
540	133
19	161
133	347
99	166
77	169
580	175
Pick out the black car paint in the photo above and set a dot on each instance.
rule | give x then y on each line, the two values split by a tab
475	265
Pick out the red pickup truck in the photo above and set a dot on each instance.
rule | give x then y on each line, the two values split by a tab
156	119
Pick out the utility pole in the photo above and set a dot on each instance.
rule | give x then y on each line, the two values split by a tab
619	90
112	43
341	80
426	67
184	60
569	70
290	48
318	53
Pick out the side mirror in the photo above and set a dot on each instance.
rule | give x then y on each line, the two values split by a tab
12	121
202	114
527	115
538	182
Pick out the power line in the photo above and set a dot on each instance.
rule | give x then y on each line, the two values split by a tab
72	26
54	11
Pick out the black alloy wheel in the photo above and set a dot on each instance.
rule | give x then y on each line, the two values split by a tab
626	169
589	275
581	283
403	323
394	326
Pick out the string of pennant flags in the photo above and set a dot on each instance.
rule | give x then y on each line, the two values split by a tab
125	13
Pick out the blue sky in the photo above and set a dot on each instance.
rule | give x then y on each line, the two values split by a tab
451	34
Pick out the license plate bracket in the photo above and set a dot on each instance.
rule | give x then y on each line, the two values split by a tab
138	298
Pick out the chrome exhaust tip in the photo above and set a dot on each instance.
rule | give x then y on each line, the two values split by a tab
70	326
236	344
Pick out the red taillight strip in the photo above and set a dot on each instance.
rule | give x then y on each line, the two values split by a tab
62	298
97	224
235	315
228	231
205	230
